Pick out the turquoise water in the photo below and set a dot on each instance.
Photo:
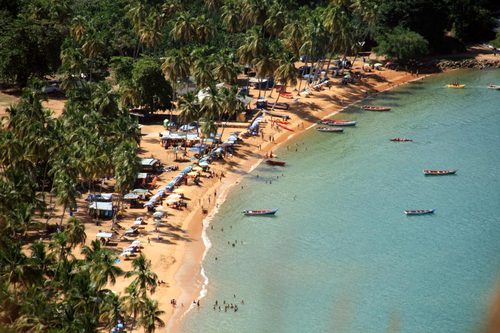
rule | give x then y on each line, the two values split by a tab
340	255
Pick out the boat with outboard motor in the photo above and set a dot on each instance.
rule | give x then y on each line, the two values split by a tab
260	212
375	108
439	172
419	211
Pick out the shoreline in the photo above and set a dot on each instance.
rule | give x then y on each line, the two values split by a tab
192	289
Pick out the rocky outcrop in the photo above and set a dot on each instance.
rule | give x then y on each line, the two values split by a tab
469	63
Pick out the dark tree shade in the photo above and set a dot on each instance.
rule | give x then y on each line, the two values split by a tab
155	93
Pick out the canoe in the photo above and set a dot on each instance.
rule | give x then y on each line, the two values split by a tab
456	86
343	123
261	212
419	211
375	108
330	129
494	86
276	162
401	140
439	172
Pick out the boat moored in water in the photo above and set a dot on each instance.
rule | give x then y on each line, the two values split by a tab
330	129
439	172
494	86
401	140
456	85
419	211
260	212
276	162
343	123
375	108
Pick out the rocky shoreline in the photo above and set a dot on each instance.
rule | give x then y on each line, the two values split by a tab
468	63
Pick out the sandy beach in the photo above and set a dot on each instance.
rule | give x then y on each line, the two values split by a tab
177	256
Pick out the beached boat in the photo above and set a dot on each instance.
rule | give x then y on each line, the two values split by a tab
456	86
330	129
494	86
259	212
401	140
428	172
276	162
375	108
419	211
343	123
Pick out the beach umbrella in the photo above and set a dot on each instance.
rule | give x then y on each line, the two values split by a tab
175	195
160	209
158	215
203	164
197	168
172	200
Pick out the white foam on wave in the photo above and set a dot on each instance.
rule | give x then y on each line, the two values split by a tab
207	244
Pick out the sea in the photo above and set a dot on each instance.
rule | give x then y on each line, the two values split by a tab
340	255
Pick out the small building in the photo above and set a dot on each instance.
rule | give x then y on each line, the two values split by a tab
101	209
150	165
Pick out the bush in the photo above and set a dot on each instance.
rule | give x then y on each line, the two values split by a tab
402	44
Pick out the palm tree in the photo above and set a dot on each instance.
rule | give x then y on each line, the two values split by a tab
126	166
189	108
254	12
286	73
184	30
231	16
170	7
265	65
134	303
208	127
226	70
292	35
275	20
231	105
176	67
76	232
104	269
212	5
202	72
65	189
111	310
78	28
144	278
204	29
150	31
150	316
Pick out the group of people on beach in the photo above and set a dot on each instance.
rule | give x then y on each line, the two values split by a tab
227	306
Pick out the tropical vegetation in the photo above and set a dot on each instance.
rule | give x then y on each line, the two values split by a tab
113	56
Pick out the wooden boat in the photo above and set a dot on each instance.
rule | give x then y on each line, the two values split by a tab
419	211
439	172
261	212
276	162
456	86
401	140
330	129
375	108
494	86
343	123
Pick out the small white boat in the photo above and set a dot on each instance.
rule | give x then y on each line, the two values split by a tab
419	211
330	129
494	86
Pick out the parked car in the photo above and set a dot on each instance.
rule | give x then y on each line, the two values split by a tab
51	87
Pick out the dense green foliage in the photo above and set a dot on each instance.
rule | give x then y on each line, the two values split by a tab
115	55
402	44
37	37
